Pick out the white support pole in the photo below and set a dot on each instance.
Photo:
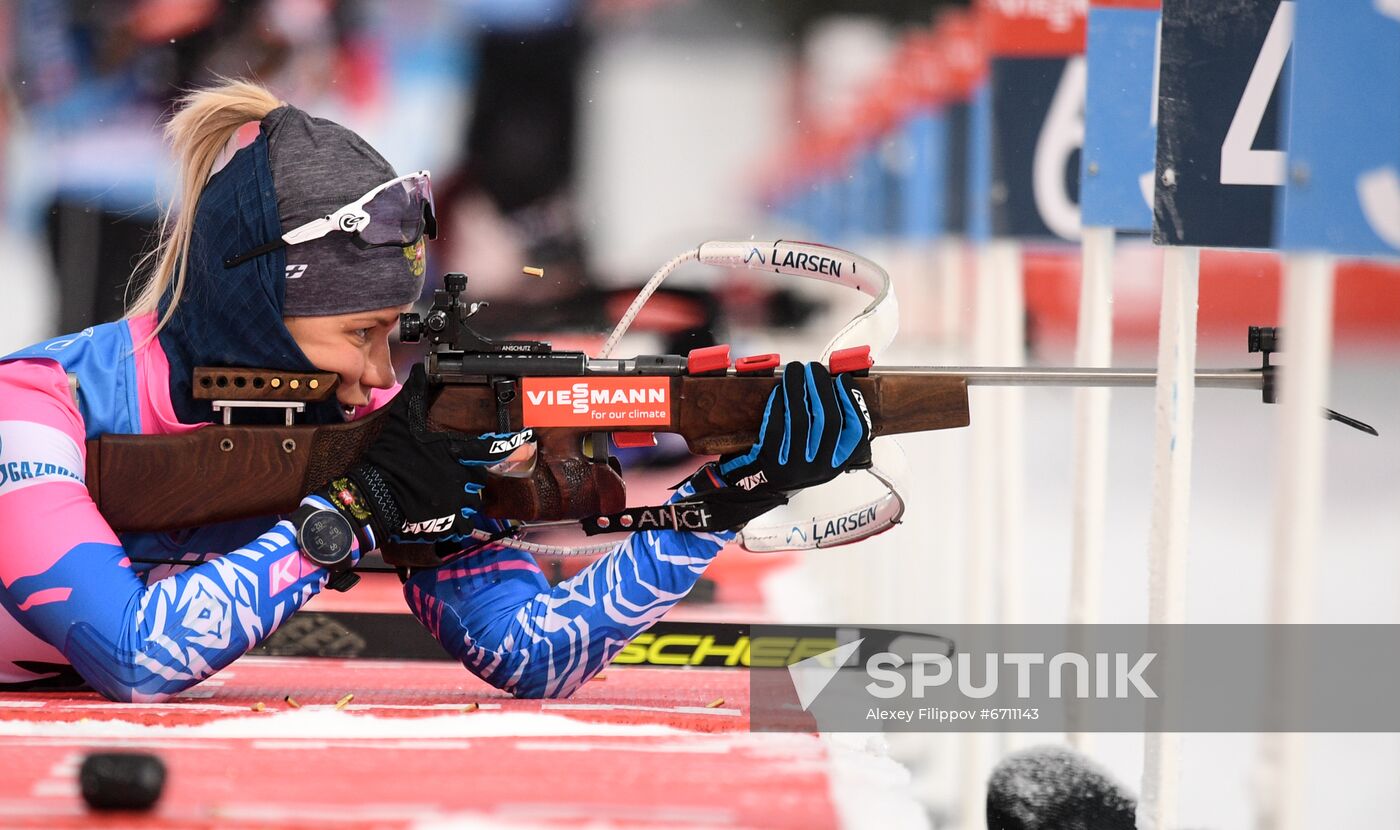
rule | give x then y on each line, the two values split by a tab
949	310
1011	461
984	501
937	779
1171	498
880	598
910	270
1011	454
983	504
1093	348
1307	325
918	261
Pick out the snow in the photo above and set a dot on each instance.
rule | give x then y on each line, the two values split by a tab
309	723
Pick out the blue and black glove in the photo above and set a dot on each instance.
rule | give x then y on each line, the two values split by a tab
416	483
814	428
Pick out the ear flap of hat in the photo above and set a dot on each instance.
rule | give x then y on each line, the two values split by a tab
233	316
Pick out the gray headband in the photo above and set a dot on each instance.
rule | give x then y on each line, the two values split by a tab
318	167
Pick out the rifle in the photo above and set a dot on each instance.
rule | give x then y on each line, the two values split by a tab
576	404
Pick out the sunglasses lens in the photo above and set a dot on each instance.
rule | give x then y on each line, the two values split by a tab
424	186
398	215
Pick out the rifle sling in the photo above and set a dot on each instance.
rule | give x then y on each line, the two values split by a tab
696	515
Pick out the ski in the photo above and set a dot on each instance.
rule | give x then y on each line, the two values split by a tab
667	644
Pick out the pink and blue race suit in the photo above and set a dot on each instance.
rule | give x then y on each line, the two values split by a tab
80	610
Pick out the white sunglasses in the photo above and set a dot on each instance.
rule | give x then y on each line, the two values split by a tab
398	212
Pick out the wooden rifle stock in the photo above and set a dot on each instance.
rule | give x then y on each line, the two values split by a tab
220	473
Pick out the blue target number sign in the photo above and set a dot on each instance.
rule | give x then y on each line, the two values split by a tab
1220	156
924	145
979	164
1342	192
1037	137
963	74
1036	117
1120	116
958	116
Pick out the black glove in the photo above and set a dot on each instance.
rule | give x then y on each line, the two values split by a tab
418	484
814	428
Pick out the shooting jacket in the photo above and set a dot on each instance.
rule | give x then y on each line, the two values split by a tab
78	611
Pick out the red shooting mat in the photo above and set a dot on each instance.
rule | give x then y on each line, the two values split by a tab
421	744
635	747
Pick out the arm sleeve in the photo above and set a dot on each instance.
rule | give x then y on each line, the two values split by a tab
66	578
495	611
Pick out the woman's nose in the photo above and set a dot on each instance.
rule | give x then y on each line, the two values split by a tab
379	372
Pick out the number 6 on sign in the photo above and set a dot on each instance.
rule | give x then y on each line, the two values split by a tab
1240	163
1060	138
1037	135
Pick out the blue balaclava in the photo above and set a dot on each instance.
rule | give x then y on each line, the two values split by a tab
298	168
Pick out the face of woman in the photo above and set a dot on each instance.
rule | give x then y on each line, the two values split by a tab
354	346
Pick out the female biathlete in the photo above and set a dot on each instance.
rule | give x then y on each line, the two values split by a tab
293	245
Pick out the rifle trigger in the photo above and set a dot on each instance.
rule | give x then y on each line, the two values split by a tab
505	394
595	446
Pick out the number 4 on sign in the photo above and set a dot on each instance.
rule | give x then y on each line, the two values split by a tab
1240	163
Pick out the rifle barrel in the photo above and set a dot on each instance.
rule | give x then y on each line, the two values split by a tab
1032	376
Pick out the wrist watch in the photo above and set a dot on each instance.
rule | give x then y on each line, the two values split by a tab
326	538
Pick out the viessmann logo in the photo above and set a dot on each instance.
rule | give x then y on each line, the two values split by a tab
600	402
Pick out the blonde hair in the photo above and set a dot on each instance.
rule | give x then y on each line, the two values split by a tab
199	133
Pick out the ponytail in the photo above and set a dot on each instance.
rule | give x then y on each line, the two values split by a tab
200	132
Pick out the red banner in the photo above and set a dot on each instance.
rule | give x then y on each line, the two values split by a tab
960	44
1034	28
1126	4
